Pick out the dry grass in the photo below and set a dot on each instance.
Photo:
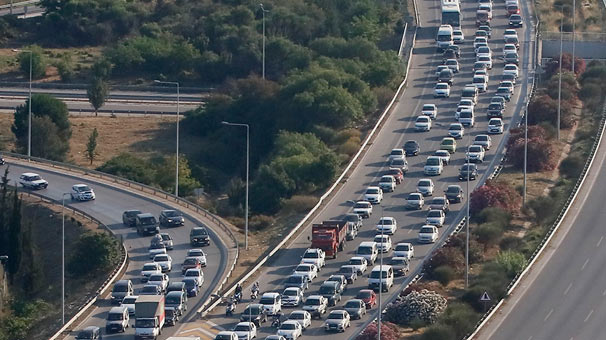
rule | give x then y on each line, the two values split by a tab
590	15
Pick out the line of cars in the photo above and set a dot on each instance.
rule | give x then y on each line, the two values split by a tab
78	192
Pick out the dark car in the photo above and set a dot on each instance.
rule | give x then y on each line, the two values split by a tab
454	193
199	237
298	281
191	286
176	287
446	76
495	110
90	333
129	217
350	273
171	218
468	170
508	77
330	290
368	296
254	313
456	49
412	148
449	54
439	203
487	29
511	58
400	266
170	316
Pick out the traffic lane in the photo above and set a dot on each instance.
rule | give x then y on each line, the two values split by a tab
108	208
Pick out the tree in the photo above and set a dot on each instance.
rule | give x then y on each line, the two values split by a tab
97	92
31	271
495	194
388	332
542	154
553	67
38	62
65	67
102	69
91	146
513	262
14	237
165	175
3	209
93	252
46	141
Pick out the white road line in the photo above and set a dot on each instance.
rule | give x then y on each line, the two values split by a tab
198	329
585	264
548	315
600	241
530	338
604	293
214	325
588	315
568	288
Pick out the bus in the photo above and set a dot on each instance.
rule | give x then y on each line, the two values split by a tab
451	13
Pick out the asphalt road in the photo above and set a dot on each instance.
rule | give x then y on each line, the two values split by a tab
398	128
108	208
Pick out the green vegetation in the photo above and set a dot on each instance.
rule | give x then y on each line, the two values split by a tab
97	92
91	146
93	253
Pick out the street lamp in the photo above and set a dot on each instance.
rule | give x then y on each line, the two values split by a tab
247	170
29	119
63	257
263	10
380	277
467	221
177	153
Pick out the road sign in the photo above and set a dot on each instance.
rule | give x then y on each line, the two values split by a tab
485	297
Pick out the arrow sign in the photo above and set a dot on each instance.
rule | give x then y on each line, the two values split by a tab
485	297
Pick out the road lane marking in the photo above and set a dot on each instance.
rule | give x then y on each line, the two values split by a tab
530	338
600	241
585	264
588	316
604	293
548	315
199	329
567	289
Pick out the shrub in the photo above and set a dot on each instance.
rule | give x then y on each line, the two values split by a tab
543	108
93	252
494	194
129	166
572	166
476	250
300	203
424	305
445	256
260	222
38	62
388	332
533	131
570	87
488	233
384	95
495	215
510	243
544	208
444	274
553	67
439	332
542	155
460	317
513	262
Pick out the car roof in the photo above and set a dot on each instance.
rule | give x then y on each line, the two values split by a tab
145	215
29	174
117	309
270	294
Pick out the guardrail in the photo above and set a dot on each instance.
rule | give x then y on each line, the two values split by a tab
117	272
19	4
330	190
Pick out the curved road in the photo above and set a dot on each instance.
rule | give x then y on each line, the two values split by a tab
108	208
398	128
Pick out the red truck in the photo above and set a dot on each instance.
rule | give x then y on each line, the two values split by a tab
329	236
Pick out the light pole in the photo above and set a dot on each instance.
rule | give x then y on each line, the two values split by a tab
247	170
263	10
560	76
29	119
380	277
574	5
525	155
467	222
63	257
177	153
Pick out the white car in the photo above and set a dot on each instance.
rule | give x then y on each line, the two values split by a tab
441	90
360	263
481	82
197	274
383	243
316	305
479	41
456	131
373	195
387	183
404	249
290	330
467	102
292	296
129	303
484	51
452	64
428	234
425	187
435	217
444	155
245	330
165	262
156	249
160	280
509	48
430	110
199	254
387	225
486	60
461	109
315	256
396	153
487	8
508	84
363	208
308	270
30	180
495	125
482	72
82	192
475	153
150	269
415	200
433	166
457	36
302	317
338	320
423	123
511	69
510	33
483	140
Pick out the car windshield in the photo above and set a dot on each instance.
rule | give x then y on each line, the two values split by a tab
149	267
433	161
375	274
132	213
296	316
195	252
454	189
445	74
303	268
290	292
438	201
33	178
288	326
455	127
426	230
396	152
120	288
386	221
156	277
147	220
478	80
82	188
361	205
327	290
447	142
145	323
129	300
424	183
191	273
251	311
312	302
495	122
428	108
190	262
364	251
398	261
441	86
494	106
434	213
381	239
398	161
356	262
336	316
503	90
223	337
402	247
348	218
410	144
392	172
482	138
423	119
364	294
295	279
173	300
161	258
170	213
190	283
199	232
150	289
466	166
242	328
474	148
442	153
451	62
346	270
386	179
114	316
414	197
372	191
315	255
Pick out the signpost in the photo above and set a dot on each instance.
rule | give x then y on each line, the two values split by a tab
485	299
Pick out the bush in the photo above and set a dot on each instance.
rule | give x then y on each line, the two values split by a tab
513	262
543	108
38	62
553	68
65	67
544	208
476	250
388	332
570	87
494	194
424	305
460	317
510	243
444	274
92	253
300	203
495	215
488	233
260	222
445	256
572	166
542	154
439	332
129	166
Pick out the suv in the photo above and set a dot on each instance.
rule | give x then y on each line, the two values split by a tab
171	218
129	217
122	289
146	224
454	193
316	305
199	236
30	180
495	110
331	291
90	333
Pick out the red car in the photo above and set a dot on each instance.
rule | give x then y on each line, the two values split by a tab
368	296
513	9
190	263
397	174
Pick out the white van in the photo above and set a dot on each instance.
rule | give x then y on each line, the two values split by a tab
445	37
117	320
466	118
377	275
368	250
272	303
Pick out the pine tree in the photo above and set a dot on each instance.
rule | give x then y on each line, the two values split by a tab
3	208
14	235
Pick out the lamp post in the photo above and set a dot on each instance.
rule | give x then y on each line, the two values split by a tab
177	153
574	5
247	170
263	10
29	119
380	277
63	256
467	222
560	75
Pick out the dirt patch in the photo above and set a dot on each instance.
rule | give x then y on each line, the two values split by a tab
590	16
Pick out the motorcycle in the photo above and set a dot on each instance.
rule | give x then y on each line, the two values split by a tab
229	309
2	162
276	322
254	293
237	298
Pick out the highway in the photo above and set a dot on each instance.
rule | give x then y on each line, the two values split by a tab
108	208
398	128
